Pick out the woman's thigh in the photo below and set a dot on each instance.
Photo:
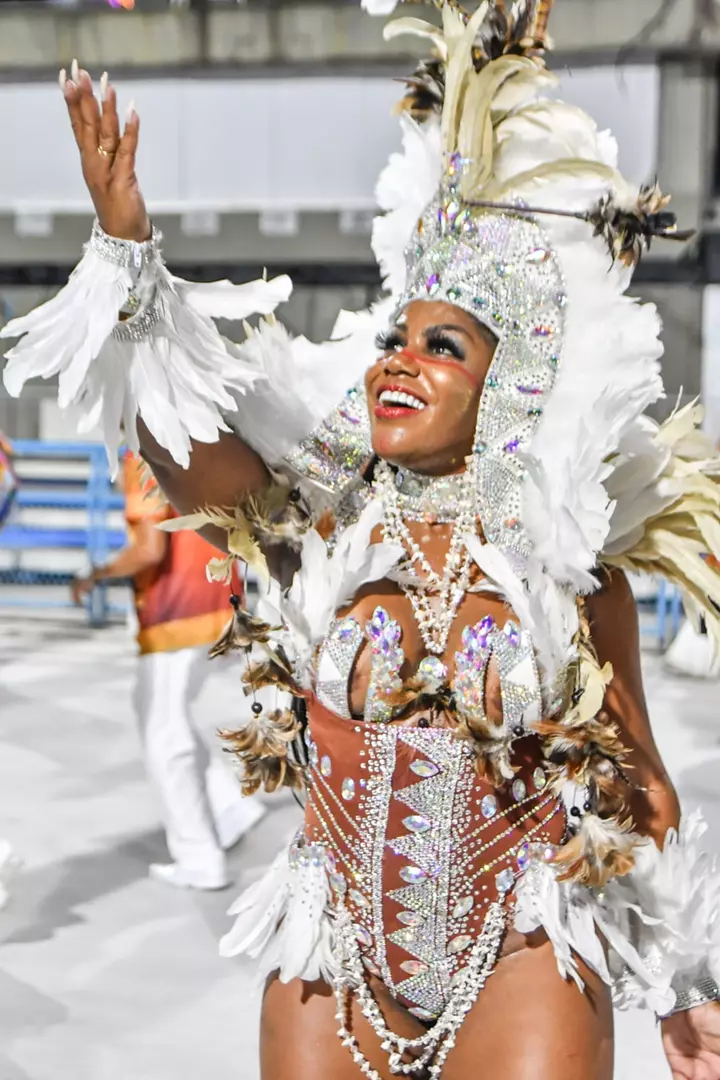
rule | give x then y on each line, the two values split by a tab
528	1024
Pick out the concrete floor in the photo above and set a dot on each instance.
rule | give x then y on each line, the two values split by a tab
105	975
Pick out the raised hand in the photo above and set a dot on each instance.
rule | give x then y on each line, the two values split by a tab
107	155
692	1043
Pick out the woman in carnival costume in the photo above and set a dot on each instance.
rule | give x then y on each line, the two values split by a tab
444	545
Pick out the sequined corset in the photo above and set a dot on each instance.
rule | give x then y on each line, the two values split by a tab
417	846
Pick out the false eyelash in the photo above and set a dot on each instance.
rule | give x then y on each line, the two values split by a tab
438	340
387	340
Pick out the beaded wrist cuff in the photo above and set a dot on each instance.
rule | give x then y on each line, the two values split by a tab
125	253
703	992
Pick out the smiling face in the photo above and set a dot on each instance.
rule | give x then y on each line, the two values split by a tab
424	391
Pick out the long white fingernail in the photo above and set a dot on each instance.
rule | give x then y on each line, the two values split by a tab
130	112
62	78
103	85
75	71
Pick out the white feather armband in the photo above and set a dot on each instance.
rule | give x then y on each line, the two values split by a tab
168	364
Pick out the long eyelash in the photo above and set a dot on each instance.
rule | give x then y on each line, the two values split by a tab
438	340
388	340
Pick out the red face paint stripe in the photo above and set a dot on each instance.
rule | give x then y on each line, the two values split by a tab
445	360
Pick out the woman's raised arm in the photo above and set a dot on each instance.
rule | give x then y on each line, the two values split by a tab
135	348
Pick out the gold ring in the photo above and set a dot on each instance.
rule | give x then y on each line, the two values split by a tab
104	152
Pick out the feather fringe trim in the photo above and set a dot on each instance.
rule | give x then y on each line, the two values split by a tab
574	917
600	851
242	632
586	752
277	516
666	481
179	377
283	921
263	749
9	866
669	908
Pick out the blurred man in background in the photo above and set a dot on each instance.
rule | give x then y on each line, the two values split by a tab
180	614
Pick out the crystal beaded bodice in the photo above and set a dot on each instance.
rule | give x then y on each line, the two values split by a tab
417	847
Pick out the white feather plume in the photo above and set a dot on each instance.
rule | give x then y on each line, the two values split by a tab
677	890
576	919
405	188
178	379
323	584
283	921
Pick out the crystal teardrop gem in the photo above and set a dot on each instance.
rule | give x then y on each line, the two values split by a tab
489	806
459	944
537	256
519	790
363	936
540	779
432	667
314	754
505	880
523	858
417	823
347	789
462	907
414	967
346	628
338	883
410	918
413	875
358	899
425	768
422	1014
325	765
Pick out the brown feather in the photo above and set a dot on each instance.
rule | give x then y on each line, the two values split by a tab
242	632
273	671
278	516
262	748
601	850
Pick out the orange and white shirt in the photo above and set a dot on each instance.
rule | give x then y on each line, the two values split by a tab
177	607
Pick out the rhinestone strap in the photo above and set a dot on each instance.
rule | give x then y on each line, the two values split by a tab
139	326
703	992
125	253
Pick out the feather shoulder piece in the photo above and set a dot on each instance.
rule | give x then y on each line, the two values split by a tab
665	483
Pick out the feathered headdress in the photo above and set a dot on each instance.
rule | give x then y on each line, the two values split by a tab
508	202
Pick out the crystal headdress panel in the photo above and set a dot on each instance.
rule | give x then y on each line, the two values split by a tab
501	269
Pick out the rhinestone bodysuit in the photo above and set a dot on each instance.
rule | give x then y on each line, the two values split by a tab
416	845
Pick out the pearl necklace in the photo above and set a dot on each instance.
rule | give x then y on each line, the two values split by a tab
434	625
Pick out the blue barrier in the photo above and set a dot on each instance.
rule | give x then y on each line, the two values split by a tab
93	495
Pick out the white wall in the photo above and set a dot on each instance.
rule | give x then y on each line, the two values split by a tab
256	144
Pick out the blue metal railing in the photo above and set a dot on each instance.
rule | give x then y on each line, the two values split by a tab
94	495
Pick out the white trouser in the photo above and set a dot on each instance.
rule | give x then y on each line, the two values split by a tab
203	807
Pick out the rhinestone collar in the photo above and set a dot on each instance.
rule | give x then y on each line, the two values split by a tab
434	499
